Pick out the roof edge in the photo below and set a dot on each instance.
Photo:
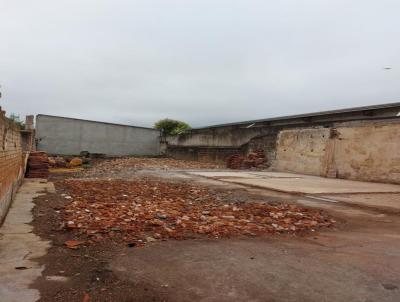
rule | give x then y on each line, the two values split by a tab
92	121
303	115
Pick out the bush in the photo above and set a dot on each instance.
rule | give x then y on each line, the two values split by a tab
171	127
15	118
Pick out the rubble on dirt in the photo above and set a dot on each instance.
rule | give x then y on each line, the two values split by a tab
58	162
255	159
73	244
38	165
146	210
117	164
75	162
67	162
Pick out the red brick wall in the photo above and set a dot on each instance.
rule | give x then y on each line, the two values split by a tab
12	160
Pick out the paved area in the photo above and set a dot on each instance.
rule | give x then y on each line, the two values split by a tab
382	201
299	183
341	267
19	246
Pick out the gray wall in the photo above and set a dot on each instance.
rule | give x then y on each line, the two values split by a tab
68	136
221	140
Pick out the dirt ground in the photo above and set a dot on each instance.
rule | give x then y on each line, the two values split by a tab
354	259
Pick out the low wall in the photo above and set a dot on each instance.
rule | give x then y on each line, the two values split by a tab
203	154
218	144
68	136
360	151
12	163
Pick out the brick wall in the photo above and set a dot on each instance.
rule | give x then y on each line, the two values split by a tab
203	154
12	162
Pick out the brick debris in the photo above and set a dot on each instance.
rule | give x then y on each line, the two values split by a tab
255	159
110	166
147	210
38	165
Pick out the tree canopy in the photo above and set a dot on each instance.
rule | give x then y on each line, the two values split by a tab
171	127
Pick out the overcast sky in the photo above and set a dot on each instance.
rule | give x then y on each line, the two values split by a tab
204	62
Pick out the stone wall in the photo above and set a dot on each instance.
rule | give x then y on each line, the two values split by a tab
368	151
12	162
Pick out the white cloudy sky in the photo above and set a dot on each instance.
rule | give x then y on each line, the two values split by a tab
202	61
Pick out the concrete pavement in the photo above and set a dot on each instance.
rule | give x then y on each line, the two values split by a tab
358	265
19	246
368	194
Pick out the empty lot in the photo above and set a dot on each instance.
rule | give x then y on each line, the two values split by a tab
121	232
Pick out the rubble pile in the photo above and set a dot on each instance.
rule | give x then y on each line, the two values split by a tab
148	210
117	164
38	165
255	159
67	162
235	161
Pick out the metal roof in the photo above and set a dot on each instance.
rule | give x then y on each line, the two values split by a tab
305	115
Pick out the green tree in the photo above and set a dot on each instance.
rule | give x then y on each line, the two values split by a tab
171	127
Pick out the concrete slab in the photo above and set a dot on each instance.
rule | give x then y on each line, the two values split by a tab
249	174
389	201
334	267
18	245
299	183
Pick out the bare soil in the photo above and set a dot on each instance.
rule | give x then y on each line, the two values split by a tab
86	267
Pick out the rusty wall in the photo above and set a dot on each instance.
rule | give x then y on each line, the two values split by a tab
360	151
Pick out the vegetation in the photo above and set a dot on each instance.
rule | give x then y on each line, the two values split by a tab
171	127
16	119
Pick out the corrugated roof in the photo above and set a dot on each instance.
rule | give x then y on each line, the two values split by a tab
305	115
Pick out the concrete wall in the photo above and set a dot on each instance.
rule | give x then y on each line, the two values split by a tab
216	145
67	136
217	137
203	154
262	134
302	150
12	162
368	152
360	151
356	143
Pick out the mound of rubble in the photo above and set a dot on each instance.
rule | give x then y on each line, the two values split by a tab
111	166
255	159
67	161
147	210
38	165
